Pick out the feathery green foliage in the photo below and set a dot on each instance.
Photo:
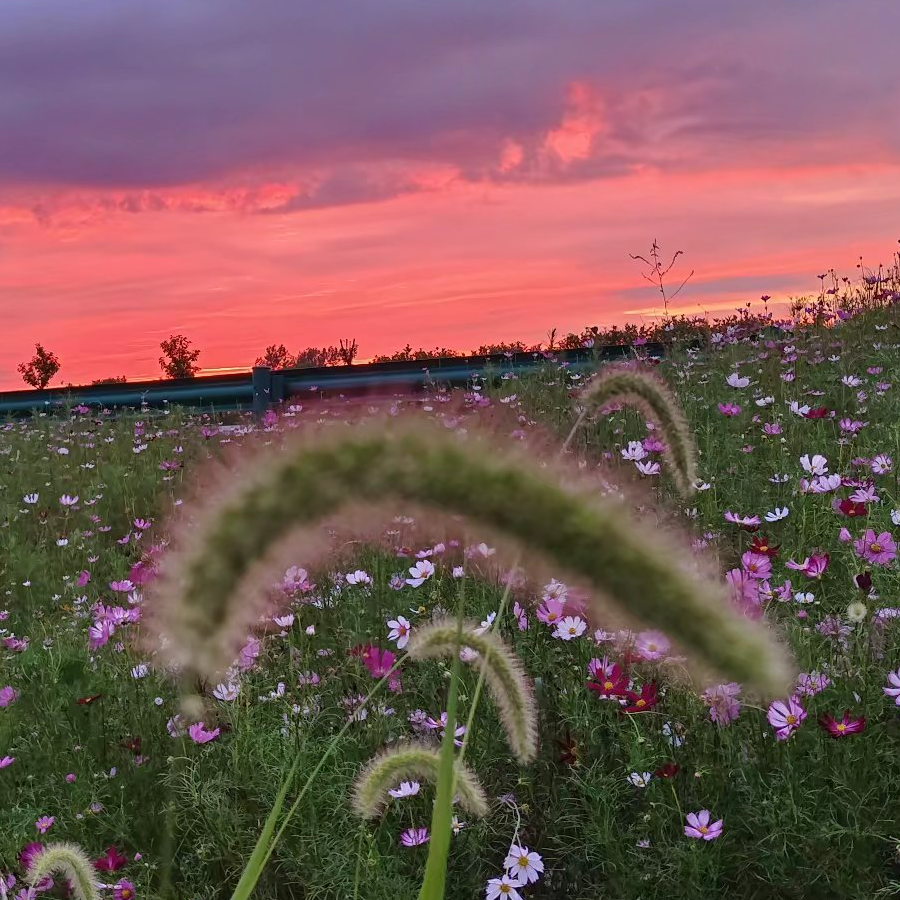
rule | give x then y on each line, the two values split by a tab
503	673
408	761
651	395
70	861
195	606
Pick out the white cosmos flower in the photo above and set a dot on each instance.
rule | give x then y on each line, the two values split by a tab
420	572
777	514
523	864
634	451
737	381
818	465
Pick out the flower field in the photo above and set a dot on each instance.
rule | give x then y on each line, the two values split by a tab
652	774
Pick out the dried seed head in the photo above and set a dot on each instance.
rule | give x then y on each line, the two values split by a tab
406	762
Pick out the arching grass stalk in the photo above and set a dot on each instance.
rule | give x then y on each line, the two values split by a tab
266	843
654	400
476	696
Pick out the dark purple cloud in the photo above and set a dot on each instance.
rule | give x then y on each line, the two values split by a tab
156	93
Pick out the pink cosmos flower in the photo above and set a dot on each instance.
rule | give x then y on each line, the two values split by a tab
124	890
894	689
698	826
45	823
811	683
650	645
880	550
729	409
812	567
412	837
743	521
550	611
521	618
8	696
724	707
83	577
785	717
756	565
7	761
201	735
744	590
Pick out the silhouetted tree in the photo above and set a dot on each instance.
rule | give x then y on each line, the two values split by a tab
178	359
407	354
40	369
276	357
347	351
314	358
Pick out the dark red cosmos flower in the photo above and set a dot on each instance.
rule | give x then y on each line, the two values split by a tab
669	770
112	861
87	701
762	546
644	701
863	581
818	412
851	508
569	751
839	728
132	744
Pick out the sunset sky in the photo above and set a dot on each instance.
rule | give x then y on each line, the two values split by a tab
438	172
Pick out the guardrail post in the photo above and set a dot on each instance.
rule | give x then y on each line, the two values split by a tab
262	390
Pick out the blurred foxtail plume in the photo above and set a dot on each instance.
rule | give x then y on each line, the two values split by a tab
198	619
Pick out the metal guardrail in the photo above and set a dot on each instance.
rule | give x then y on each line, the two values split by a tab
263	387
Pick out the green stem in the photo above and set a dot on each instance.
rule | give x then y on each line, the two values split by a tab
434	882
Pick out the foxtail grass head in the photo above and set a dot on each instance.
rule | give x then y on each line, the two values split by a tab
547	508
408	762
656	402
69	861
509	686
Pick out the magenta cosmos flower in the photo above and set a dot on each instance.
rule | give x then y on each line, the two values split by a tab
44	823
8	695
878	549
200	735
839	728
698	826
124	890
785	717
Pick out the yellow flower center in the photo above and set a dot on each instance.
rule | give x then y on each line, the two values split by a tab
505	889
703	829
791	720
608	685
842	727
523	862
875	548
641	703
